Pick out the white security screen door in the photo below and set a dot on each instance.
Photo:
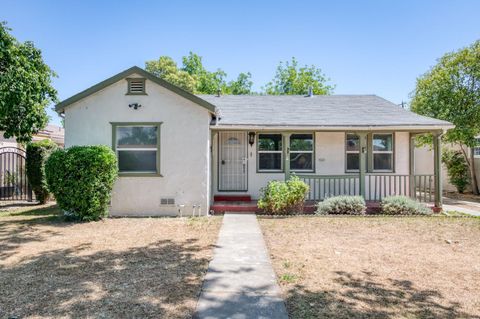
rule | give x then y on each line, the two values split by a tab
232	161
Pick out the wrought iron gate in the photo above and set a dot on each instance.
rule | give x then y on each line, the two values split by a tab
13	177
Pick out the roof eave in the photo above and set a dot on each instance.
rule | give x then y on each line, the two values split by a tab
411	128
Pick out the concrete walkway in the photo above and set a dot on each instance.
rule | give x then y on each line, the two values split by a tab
240	282
466	207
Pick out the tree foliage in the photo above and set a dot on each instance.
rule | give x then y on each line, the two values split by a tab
451	91
37	155
292	79
457	169
194	77
167	69
25	87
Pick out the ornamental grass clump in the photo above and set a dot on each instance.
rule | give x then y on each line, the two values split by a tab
402	205
82	178
283	198
37	155
348	205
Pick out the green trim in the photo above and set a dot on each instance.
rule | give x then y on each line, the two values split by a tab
257	138
371	169
411	164
437	168
313	170
286	154
362	157
60	107
129	81
114	146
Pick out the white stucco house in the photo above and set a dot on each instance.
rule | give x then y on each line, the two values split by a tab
180	152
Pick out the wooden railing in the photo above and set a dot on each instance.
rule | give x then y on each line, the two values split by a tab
377	186
324	186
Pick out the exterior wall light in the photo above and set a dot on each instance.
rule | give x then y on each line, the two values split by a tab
251	138
134	105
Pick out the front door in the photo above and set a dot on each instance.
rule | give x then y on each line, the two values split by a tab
232	161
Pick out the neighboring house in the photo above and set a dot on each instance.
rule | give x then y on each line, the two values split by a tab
52	132
179	151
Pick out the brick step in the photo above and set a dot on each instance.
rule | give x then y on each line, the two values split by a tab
232	198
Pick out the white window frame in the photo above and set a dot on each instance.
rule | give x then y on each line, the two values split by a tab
156	149
476	149
260	170
351	152
302	152
392	161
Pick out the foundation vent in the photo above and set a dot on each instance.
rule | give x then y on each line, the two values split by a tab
167	201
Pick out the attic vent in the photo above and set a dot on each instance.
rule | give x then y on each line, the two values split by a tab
167	201
136	86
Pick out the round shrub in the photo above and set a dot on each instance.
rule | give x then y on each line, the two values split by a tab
349	205
82	178
37	155
283	197
402	205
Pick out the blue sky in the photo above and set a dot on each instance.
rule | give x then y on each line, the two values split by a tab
365	47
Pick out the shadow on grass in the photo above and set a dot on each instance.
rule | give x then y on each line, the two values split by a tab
367	298
156	281
18	227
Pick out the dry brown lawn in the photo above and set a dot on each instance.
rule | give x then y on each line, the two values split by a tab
379	267
116	268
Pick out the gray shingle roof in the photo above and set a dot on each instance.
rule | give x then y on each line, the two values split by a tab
332	110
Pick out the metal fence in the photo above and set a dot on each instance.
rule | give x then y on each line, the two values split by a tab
13	178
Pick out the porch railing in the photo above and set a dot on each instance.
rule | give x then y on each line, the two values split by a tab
377	186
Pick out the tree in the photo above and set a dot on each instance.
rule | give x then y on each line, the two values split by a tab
290	79
241	86
207	82
451	91
25	88
195	78
167	69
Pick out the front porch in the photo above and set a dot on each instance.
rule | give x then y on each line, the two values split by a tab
239	159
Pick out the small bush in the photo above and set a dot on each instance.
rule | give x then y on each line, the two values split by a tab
350	205
37	155
283	197
82	178
457	169
402	205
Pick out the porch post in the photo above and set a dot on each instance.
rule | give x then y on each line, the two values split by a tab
286	155
437	167
411	173
362	161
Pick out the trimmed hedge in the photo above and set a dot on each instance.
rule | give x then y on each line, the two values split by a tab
37	155
82	178
402	205
282	198
349	205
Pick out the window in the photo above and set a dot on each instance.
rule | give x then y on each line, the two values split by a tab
270	152
352	150
136	86
382	152
301	152
137	147
476	149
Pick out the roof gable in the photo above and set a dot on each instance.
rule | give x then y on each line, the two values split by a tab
60	107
